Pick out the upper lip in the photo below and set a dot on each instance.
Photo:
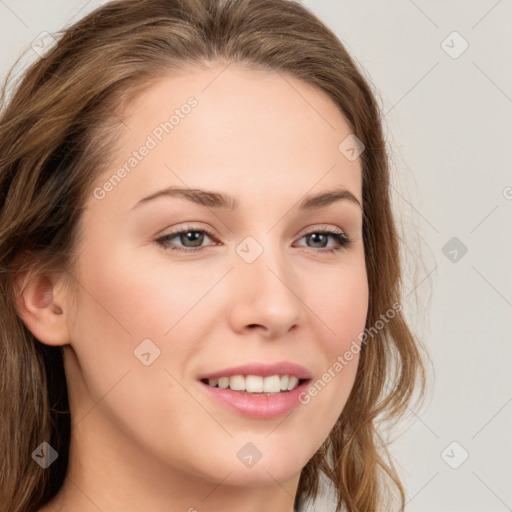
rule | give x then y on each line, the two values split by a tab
263	369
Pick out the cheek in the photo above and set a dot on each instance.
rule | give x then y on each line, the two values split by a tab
342	306
341	303
122	302
126	300
133	294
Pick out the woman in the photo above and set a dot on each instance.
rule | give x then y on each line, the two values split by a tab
200	267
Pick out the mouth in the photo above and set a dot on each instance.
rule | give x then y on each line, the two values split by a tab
256	384
257	390
255	396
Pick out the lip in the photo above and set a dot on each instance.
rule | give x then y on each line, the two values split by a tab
257	406
263	369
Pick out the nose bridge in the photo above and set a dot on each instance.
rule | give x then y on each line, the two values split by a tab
264	260
268	292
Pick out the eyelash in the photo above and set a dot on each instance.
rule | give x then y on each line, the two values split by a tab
341	239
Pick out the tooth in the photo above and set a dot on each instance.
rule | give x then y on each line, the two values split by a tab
272	384
254	383
223	382
237	383
292	382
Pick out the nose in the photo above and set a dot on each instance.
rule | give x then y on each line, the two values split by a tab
267	297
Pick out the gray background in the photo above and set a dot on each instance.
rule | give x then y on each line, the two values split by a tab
448	123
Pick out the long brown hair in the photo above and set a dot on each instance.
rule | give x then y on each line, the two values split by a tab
55	135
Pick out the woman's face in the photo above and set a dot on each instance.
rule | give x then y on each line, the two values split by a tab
259	285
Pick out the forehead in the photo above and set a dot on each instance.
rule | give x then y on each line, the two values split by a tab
231	127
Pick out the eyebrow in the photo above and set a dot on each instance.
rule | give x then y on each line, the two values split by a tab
212	199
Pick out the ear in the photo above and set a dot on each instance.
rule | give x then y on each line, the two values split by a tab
39	309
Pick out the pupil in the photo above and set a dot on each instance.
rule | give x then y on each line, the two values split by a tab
193	236
316	236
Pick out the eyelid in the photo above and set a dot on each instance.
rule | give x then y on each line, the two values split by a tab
307	230
322	227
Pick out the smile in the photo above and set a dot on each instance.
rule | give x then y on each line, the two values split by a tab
256	384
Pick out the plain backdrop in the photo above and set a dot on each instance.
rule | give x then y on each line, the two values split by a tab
441	71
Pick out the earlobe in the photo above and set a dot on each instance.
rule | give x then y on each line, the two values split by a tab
37	306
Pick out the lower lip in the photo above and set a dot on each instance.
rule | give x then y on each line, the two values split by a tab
258	406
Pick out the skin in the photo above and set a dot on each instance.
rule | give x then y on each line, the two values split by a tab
149	437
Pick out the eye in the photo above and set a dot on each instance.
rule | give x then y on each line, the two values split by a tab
320	239
192	239
186	236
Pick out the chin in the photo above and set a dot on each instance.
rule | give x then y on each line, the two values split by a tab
279	466
260	475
